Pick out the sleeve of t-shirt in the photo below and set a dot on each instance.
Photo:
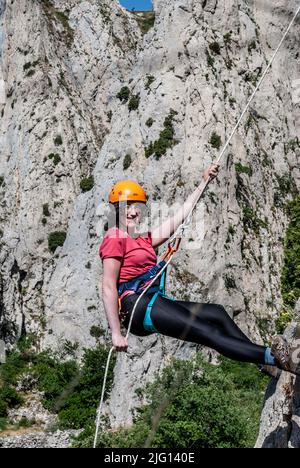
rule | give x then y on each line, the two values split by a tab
111	247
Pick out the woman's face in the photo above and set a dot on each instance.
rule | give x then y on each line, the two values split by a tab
131	214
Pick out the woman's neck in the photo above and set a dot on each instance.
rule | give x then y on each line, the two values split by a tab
130	231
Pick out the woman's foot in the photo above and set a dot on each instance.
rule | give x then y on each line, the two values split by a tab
287	356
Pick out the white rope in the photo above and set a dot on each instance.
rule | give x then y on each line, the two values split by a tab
99	411
179	231
205	184
102	397
258	85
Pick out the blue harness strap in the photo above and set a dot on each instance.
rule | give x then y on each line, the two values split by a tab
148	324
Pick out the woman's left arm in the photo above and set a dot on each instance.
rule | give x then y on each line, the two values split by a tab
166	229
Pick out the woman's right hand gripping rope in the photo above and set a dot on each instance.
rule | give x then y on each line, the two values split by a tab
119	342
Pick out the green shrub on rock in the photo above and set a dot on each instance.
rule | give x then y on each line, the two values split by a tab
87	184
194	405
124	94
134	102
166	138
56	239
127	162
215	141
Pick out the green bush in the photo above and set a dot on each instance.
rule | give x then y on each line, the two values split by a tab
53	377
54	15
293	144
166	138
10	396
290	278
25	423
134	102
240	169
62	17
56	239
149	122
79	409
55	157
3	420
145	21
3	409
285	187
251	220
87	184
124	94
149	80
201	406
15	365
215	141
251	78
1	181
229	282
96	332
231	230
215	48
30	73
283	320
29	67
127	162
251	46
227	38
46	211
26	66
71	390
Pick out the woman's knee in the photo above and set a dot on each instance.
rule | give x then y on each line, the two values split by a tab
220	309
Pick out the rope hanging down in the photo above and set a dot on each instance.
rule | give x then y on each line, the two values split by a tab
176	237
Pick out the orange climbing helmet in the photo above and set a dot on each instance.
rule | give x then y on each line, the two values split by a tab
127	190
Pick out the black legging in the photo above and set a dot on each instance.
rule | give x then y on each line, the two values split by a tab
205	324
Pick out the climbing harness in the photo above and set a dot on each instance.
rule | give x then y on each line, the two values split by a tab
175	239
137	283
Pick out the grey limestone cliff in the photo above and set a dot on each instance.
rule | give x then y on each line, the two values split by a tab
62	66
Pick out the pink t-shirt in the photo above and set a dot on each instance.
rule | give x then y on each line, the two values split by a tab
137	255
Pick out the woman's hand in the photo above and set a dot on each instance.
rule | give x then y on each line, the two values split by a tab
119	342
211	172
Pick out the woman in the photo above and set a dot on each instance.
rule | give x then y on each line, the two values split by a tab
127	255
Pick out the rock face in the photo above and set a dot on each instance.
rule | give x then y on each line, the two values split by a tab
61	66
61	121
280	422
